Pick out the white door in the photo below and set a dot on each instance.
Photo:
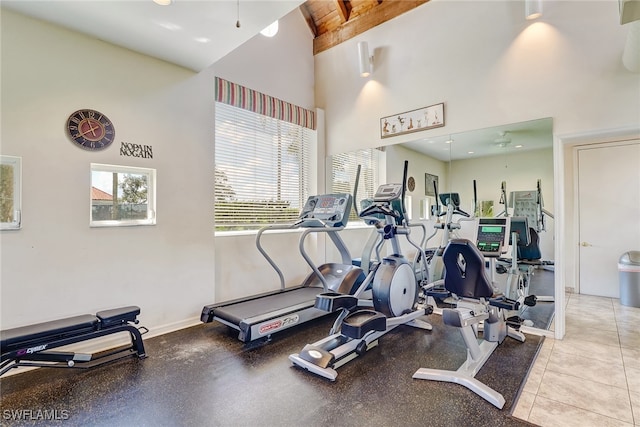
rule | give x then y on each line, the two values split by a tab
609	212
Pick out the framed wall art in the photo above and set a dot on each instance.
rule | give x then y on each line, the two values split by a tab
429	181
412	121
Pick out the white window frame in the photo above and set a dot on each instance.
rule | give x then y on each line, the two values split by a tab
151	195
16	163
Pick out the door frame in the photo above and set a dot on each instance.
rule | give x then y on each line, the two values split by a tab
565	197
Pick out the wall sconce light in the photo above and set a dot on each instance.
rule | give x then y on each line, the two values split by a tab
365	61
532	9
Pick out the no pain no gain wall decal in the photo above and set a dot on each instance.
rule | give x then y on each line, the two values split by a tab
136	150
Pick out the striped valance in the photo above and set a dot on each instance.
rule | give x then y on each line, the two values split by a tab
249	99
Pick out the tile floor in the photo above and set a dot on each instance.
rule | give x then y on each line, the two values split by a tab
592	376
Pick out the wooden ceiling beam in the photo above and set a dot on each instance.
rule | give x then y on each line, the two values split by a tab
307	17
384	11
341	8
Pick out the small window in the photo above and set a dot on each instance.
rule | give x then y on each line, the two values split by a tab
10	192
122	196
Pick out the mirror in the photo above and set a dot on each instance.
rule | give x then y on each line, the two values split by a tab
518	154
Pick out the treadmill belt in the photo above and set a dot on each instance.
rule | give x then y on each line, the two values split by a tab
239	311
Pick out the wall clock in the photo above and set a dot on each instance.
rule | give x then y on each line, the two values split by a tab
90	129
411	184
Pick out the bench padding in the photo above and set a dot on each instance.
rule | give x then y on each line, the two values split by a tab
56	328
117	316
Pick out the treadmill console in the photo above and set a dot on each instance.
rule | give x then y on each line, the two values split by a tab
388	193
492	235
326	210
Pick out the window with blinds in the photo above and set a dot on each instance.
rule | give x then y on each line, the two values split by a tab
262	167
343	174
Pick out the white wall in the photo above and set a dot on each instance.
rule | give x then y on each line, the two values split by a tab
487	64
56	266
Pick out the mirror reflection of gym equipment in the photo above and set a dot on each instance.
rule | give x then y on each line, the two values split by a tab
520	156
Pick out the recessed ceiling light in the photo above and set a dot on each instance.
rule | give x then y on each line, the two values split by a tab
202	39
518	146
162	2
271	30
471	152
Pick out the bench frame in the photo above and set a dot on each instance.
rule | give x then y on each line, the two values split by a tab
37	352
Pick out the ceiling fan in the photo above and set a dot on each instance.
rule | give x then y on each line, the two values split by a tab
503	140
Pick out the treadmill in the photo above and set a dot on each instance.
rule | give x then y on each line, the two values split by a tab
261	315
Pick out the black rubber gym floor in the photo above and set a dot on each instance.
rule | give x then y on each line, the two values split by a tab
204	376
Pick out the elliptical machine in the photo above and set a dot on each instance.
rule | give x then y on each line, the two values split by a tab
451	202
394	288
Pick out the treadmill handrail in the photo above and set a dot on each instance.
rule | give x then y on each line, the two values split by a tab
308	259
264	253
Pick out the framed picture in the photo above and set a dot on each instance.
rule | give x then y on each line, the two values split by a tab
412	121
429	181
485	208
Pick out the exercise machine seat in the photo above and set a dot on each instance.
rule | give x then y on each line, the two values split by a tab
530	252
465	274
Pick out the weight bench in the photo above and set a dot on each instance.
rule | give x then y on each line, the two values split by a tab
30	345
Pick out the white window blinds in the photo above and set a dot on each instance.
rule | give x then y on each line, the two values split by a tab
262	167
343	173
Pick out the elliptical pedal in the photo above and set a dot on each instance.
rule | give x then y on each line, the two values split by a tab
515	322
358	324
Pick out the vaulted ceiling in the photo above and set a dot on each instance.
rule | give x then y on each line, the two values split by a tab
196	33
335	21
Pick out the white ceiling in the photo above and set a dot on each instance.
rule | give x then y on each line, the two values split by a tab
499	140
190	33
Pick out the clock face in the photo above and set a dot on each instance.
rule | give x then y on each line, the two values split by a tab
90	129
411	184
